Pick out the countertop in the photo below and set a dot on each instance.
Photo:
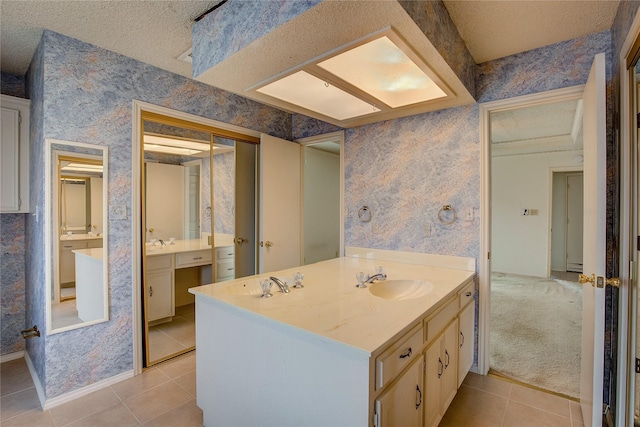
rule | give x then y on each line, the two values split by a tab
180	246
95	253
79	237
332	307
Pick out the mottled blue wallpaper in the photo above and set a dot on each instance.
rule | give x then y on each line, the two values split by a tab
224	184
85	94
12	271
236	24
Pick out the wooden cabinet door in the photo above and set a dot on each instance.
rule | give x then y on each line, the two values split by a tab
450	360
466	345
402	404
159	288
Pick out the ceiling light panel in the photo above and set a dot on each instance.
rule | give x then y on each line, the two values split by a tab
161	144
384	71
307	91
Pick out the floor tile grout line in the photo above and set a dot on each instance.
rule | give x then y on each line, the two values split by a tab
16	392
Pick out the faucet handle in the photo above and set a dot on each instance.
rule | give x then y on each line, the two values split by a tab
361	277
266	288
298	280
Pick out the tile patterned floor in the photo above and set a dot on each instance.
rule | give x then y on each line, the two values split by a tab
165	396
179	335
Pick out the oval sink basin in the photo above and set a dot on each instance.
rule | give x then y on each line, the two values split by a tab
401	289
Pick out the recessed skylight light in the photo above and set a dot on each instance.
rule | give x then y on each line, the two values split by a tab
162	144
312	93
384	71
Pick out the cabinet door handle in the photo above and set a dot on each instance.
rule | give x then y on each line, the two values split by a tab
440	367
446	353
407	354
468	294
461	339
419	396
150	291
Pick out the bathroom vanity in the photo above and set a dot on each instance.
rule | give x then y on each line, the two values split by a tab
165	263
330	353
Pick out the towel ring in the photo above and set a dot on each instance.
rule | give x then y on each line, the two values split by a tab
443	219
364	214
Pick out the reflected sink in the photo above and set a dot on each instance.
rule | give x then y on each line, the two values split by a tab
401	289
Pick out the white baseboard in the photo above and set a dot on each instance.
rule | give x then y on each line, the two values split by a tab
12	356
56	401
36	380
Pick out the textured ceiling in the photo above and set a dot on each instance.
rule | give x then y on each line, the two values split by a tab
158	31
152	31
495	29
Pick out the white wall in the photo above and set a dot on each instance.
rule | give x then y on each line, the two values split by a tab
321	205
559	222
521	244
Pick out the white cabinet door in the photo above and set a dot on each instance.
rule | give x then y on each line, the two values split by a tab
450	360
433	386
402	403
159	288
14	154
466	325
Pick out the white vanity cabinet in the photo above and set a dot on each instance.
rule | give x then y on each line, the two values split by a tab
159	287
68	258
14	155
225	263
466	326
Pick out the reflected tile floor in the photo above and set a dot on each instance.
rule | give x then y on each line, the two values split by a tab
165	396
166	339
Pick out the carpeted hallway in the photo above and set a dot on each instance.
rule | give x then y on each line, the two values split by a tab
536	331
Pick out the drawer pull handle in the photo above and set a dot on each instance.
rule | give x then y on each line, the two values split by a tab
407	354
440	367
468	294
229	269
419	396
197	258
446	353
461	339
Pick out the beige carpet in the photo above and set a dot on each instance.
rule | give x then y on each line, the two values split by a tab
536	331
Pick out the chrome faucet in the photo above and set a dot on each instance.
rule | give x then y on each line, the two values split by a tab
284	288
162	243
380	275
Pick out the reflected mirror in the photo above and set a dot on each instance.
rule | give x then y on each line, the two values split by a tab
76	239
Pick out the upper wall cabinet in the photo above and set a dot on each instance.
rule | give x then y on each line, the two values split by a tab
14	155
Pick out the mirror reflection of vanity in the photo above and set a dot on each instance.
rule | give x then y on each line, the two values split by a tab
76	235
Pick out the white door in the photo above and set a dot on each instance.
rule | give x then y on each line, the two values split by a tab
593	297
279	229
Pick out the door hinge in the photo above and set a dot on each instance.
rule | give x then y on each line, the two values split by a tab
637	366
488	255
632	270
376	420
638	120
19	202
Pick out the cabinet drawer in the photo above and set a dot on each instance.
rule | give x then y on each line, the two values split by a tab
193	258
72	245
225	269
225	252
398	356
94	243
466	295
159	262
437	323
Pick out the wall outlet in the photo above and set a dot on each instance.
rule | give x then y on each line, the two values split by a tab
533	211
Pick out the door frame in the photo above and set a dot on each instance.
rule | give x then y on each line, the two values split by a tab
484	261
338	136
627	311
136	210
